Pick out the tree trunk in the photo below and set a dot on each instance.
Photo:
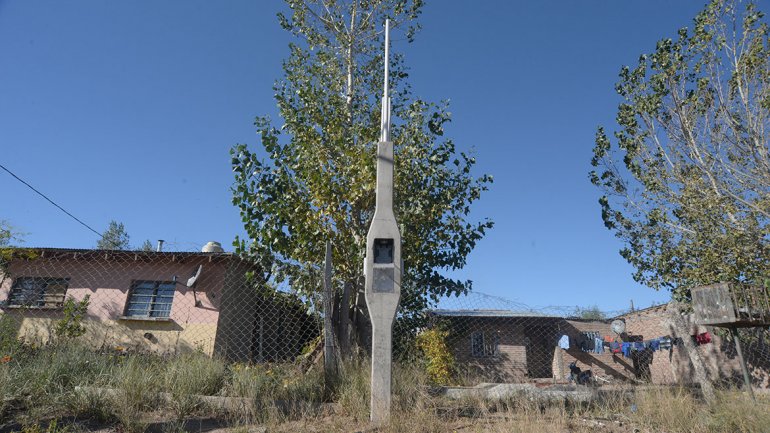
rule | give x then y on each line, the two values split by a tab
679	328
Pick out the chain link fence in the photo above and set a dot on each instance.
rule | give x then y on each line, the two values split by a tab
494	340
176	302
161	302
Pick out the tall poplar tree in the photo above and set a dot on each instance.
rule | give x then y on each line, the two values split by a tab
686	180
312	177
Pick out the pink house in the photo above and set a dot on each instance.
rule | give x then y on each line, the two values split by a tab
155	301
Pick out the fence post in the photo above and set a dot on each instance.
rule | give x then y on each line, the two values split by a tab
330	351
744	368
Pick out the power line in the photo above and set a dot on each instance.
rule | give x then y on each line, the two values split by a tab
50	201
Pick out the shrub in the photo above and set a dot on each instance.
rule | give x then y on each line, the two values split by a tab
439	361
71	325
9	343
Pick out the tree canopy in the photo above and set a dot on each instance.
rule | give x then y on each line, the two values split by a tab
147	246
687	176
114	238
313	176
9	234
6	234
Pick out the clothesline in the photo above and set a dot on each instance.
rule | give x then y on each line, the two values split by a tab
592	342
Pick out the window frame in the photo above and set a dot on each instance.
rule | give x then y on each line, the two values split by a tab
487	347
42	292
151	312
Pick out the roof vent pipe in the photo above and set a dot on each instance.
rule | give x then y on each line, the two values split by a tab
212	247
160	245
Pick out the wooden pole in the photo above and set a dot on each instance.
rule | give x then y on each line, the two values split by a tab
744	368
330	350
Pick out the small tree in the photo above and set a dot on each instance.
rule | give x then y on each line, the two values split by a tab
114	238
71	325
590	313
147	246
8	234
438	358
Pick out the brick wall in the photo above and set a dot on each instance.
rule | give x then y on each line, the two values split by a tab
528	350
719	356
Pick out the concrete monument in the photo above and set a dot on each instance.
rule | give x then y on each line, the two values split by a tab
382	264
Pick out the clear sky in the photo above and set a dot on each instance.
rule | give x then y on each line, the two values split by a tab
126	110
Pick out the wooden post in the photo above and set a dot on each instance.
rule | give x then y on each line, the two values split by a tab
330	350
744	368
344	324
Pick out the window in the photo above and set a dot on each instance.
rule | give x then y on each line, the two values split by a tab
485	344
150	299
38	292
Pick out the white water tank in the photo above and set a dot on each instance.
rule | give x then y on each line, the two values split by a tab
212	247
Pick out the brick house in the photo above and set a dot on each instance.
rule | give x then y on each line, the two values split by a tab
140	300
508	346
719	356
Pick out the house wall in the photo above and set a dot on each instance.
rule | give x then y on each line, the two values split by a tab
107	280
528	350
719	357
239	314
605	365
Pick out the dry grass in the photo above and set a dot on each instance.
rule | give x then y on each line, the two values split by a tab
71	381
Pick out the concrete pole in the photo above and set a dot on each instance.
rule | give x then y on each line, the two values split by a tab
382	266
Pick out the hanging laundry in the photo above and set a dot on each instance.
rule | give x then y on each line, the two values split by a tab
582	342
665	343
608	339
626	349
655	344
703	338
598	345
615	347
564	342
638	345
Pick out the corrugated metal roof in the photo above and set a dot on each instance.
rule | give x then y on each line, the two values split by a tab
489	313
89	250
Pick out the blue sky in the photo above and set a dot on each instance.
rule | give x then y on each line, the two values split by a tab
127	110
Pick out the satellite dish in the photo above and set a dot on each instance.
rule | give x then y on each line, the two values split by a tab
618	326
191	282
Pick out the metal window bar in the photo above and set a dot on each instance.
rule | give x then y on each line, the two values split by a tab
150	299
38	292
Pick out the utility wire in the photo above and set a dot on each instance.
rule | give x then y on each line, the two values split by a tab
49	200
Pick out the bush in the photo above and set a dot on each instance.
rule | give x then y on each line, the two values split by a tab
71	325
9	343
439	361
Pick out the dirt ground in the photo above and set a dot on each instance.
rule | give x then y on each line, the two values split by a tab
342	424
